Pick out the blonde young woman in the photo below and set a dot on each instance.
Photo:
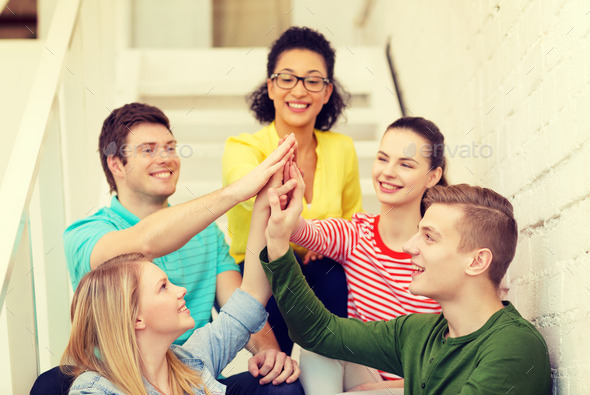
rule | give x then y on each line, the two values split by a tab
126	315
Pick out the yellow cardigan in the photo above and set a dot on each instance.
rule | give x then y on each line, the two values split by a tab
336	185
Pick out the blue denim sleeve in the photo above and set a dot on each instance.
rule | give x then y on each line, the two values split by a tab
218	342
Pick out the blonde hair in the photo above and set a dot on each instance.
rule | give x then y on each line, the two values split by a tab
104	310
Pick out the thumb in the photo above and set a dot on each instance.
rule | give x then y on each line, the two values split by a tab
273	199
253	366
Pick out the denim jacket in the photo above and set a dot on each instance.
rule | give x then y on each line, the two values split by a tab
208	350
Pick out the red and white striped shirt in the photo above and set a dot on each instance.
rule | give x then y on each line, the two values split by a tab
377	277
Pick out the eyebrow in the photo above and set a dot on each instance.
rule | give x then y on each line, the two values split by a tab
293	71
156	143
404	158
430	229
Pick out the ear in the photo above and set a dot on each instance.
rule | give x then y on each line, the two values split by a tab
270	88
139	324
328	92
482	259
434	177
116	166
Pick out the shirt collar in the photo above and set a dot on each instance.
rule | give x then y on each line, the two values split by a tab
121	211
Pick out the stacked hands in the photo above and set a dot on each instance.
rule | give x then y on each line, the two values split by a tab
282	194
279	204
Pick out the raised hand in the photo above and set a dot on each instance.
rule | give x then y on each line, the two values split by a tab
249	185
283	221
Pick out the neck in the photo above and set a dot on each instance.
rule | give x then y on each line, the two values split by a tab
398	224
469	312
141	207
303	134
154	362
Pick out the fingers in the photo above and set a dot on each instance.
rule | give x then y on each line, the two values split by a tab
285	149
275	205
307	258
300	189
290	372
285	188
253	364
272	366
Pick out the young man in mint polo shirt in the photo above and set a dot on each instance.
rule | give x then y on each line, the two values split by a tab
478	345
138	156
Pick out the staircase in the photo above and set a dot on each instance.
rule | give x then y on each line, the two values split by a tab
203	92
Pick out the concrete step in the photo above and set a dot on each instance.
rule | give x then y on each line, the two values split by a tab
202	160
210	125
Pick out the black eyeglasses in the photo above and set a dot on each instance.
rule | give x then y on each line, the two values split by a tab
288	81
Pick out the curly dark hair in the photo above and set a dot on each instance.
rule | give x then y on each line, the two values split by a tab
312	40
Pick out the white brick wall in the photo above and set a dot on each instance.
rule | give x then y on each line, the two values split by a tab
515	75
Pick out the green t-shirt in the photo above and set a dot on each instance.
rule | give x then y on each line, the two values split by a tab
505	356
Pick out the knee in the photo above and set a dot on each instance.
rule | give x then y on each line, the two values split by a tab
294	388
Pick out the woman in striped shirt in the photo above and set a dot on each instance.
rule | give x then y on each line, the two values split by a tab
409	161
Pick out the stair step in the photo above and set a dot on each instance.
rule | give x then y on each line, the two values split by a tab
210	125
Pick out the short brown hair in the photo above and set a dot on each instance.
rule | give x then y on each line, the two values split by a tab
117	126
488	222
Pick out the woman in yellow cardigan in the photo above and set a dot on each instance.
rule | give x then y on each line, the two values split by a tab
300	96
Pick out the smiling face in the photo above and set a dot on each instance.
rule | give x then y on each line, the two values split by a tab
162	309
152	167
401	171
297	108
440	266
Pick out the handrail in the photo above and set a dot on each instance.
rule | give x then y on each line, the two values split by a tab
398	91
23	165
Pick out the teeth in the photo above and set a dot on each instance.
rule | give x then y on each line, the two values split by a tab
389	186
182	309
297	105
417	268
164	174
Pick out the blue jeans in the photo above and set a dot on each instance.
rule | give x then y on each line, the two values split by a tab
246	384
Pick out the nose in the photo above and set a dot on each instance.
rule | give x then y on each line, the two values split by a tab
299	89
164	155
389	170
410	246
181	291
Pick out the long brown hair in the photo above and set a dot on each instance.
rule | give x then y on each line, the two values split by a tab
104	310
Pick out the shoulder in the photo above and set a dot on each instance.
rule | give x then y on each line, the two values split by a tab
364	221
93	383
364	218
512	328
105	217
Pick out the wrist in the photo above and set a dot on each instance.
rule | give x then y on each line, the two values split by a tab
276	249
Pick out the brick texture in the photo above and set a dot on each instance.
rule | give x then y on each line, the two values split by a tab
514	76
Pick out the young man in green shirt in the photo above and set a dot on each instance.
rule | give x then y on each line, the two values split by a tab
463	247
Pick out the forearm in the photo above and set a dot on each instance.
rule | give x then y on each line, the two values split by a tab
313	327
263	340
333	237
169	229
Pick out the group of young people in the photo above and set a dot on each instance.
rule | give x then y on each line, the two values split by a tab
406	299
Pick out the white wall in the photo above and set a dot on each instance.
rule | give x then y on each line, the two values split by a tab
515	75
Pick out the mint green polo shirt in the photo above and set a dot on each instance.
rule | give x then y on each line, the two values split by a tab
194	266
